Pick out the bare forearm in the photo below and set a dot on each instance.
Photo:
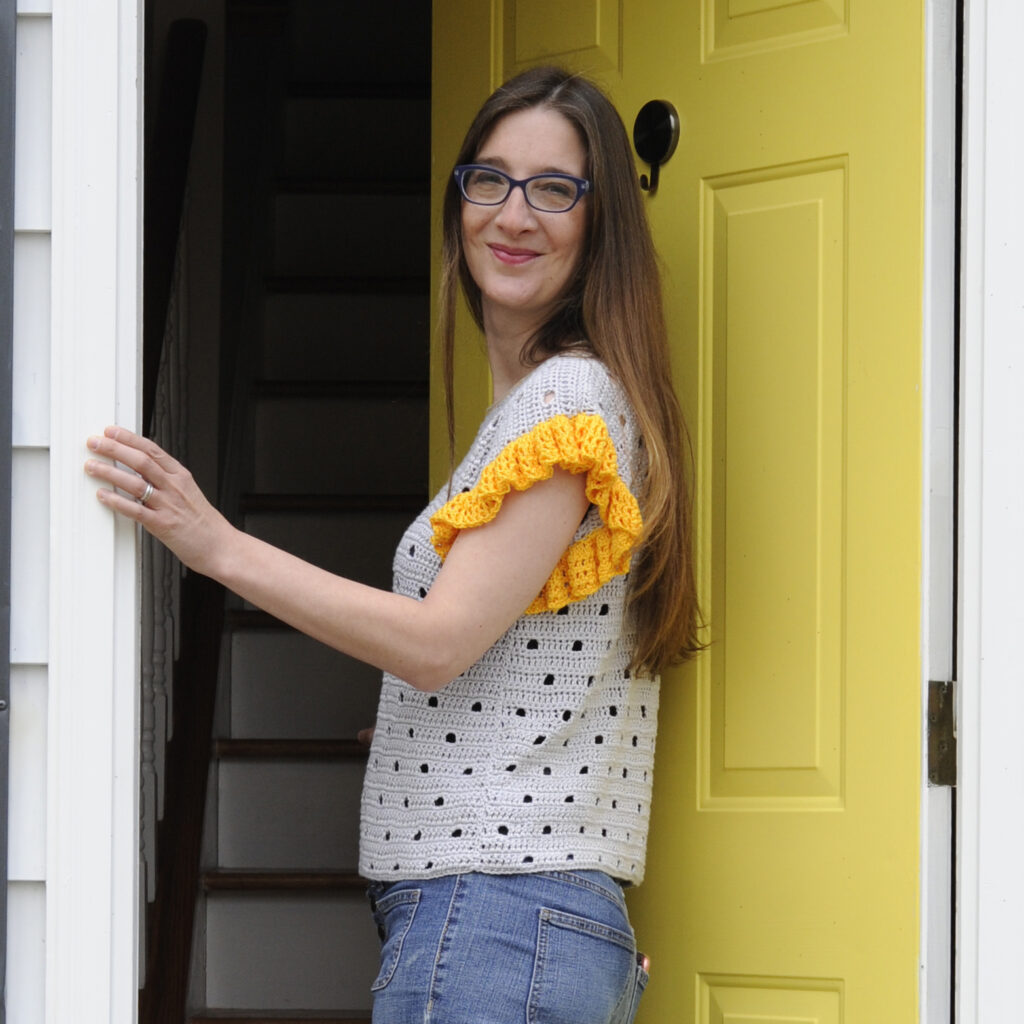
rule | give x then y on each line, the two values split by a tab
392	632
491	574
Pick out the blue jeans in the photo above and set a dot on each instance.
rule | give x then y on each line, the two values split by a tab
546	948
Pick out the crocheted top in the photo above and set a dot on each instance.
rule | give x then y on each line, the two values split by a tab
540	755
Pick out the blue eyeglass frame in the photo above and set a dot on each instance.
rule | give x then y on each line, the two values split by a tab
583	187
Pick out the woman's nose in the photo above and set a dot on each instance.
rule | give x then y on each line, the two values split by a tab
516	214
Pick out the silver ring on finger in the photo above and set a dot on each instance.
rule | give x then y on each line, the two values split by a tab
146	494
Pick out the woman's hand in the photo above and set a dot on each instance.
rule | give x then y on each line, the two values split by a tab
174	509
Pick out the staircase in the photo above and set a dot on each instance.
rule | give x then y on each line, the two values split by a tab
334	450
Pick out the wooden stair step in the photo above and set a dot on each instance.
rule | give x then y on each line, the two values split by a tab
408	503
333	285
230	880
351	186
372	389
292	749
356	91
257	17
254	618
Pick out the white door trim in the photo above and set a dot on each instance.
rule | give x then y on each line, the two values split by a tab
990	939
92	791
938	584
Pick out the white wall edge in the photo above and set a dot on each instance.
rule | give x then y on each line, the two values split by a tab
937	582
92	820
990	940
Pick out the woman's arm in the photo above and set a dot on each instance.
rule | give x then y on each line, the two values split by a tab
490	575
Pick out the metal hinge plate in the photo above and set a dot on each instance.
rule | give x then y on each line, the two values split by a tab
941	733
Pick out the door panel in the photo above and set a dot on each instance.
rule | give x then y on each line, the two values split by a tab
732	28
581	32
782	876
772	725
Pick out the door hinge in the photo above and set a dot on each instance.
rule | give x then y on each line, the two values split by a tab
941	733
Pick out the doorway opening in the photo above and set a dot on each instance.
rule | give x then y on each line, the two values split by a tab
287	354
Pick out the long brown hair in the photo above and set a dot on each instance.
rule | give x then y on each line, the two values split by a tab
614	303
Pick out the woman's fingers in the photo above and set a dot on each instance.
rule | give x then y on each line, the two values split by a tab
131	508
139	495
146	457
134	485
150	448
147	465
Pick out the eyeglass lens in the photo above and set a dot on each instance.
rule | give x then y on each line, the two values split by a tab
552	194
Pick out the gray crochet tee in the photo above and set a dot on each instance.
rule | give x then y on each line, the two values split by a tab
539	756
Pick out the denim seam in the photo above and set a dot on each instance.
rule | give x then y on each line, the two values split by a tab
586	926
538	958
441	947
570	878
395	900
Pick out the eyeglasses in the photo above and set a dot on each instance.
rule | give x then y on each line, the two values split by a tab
549	193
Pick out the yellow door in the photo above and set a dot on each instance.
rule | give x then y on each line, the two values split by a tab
782	882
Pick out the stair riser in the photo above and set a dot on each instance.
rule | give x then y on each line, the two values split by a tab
360	139
300	815
361	236
346	337
360	546
353	446
288	686
288	952
386	41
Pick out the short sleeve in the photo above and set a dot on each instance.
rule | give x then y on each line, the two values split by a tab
567	413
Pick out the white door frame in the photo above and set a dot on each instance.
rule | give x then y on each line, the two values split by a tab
92	750
938	497
990	939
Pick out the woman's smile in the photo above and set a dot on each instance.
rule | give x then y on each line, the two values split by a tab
513	257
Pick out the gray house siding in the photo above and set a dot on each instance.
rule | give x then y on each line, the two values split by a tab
25	474
7	59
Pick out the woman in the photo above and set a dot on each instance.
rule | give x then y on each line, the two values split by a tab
508	783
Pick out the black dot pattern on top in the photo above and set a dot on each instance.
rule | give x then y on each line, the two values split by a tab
540	754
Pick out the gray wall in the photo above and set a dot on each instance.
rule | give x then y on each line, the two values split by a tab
7	68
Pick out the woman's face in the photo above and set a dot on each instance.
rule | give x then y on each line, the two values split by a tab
521	258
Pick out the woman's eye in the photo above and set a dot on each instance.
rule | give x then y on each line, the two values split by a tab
556	188
487	178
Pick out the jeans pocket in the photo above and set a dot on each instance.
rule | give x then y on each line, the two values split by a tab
393	914
582	970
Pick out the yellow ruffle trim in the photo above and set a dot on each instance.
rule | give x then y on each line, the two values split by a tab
580	445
